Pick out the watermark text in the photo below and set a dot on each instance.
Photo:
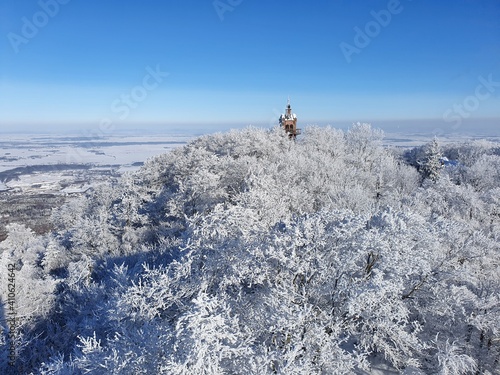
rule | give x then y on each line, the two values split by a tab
364	36
31	26
459	111
223	6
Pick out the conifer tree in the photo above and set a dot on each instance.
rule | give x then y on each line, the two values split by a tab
432	165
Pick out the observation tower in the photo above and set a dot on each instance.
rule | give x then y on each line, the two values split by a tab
288	121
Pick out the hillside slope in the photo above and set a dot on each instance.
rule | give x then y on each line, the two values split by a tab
248	253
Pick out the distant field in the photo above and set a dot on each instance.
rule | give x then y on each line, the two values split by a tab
118	151
39	173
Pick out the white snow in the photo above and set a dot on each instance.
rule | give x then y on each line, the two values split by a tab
26	150
112	154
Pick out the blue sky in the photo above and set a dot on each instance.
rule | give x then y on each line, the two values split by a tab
412	65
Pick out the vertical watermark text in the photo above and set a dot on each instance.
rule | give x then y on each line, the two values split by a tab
11	313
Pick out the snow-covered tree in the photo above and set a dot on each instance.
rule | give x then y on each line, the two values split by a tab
432	164
247	253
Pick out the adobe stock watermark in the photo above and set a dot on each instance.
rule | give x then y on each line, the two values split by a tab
31	26
223	6
371	30
459	111
139	93
123	106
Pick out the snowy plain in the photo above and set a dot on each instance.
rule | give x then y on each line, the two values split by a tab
34	162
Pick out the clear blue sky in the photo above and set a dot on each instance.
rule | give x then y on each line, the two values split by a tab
237	64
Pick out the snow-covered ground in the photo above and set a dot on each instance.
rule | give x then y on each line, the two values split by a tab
418	139
39	163
25	150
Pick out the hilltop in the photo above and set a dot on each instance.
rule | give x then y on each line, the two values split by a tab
249	253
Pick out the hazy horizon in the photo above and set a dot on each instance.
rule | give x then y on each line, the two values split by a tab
482	127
